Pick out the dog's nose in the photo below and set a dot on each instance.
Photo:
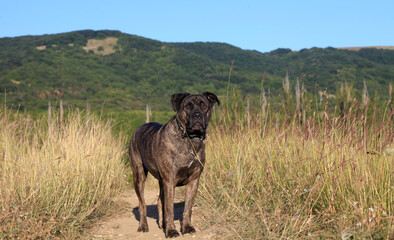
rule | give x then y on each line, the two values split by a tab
197	115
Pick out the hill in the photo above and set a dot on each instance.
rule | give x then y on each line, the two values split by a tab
359	48
127	71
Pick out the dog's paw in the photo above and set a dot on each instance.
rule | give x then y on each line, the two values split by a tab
188	229
161	223
143	228
171	233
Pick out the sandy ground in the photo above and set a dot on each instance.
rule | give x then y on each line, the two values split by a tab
124	225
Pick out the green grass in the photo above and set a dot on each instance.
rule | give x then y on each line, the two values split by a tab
126	122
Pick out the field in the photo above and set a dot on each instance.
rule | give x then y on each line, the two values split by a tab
299	170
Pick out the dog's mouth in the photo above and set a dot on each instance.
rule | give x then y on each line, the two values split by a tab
196	129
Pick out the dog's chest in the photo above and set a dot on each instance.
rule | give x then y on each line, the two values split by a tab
189	167
188	173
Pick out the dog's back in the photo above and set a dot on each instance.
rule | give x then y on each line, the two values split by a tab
140	142
142	135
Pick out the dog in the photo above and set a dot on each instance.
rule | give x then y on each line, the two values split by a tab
174	154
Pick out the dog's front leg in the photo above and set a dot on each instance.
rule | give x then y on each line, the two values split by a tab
191	190
169	190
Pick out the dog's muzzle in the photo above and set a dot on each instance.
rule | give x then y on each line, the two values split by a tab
196	124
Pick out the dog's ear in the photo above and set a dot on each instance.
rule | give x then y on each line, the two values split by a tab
212	98
176	100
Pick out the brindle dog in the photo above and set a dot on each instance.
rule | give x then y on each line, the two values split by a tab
173	153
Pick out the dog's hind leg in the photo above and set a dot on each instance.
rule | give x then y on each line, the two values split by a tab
139	177
139	184
160	209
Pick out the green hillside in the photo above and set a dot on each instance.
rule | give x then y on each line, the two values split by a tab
127	71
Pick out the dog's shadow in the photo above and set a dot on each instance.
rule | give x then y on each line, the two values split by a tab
151	212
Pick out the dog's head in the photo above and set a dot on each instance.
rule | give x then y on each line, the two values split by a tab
194	111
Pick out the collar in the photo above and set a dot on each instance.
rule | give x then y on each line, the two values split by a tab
183	132
181	129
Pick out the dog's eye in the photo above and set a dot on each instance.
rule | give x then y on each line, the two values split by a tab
204	106
187	107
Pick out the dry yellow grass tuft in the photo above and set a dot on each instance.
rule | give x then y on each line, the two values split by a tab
102	46
56	174
273	178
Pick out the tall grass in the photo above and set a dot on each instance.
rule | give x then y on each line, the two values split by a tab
55	173
329	176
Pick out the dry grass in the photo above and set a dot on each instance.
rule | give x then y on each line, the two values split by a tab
55	176
102	46
294	173
274	178
359	48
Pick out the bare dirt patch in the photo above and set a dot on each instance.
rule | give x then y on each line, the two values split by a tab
125	224
102	46
15	82
40	48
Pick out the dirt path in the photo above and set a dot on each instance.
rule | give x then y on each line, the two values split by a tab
124	226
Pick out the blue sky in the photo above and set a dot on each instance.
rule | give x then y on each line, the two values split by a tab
248	24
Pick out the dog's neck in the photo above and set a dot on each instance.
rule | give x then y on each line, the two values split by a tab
184	134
